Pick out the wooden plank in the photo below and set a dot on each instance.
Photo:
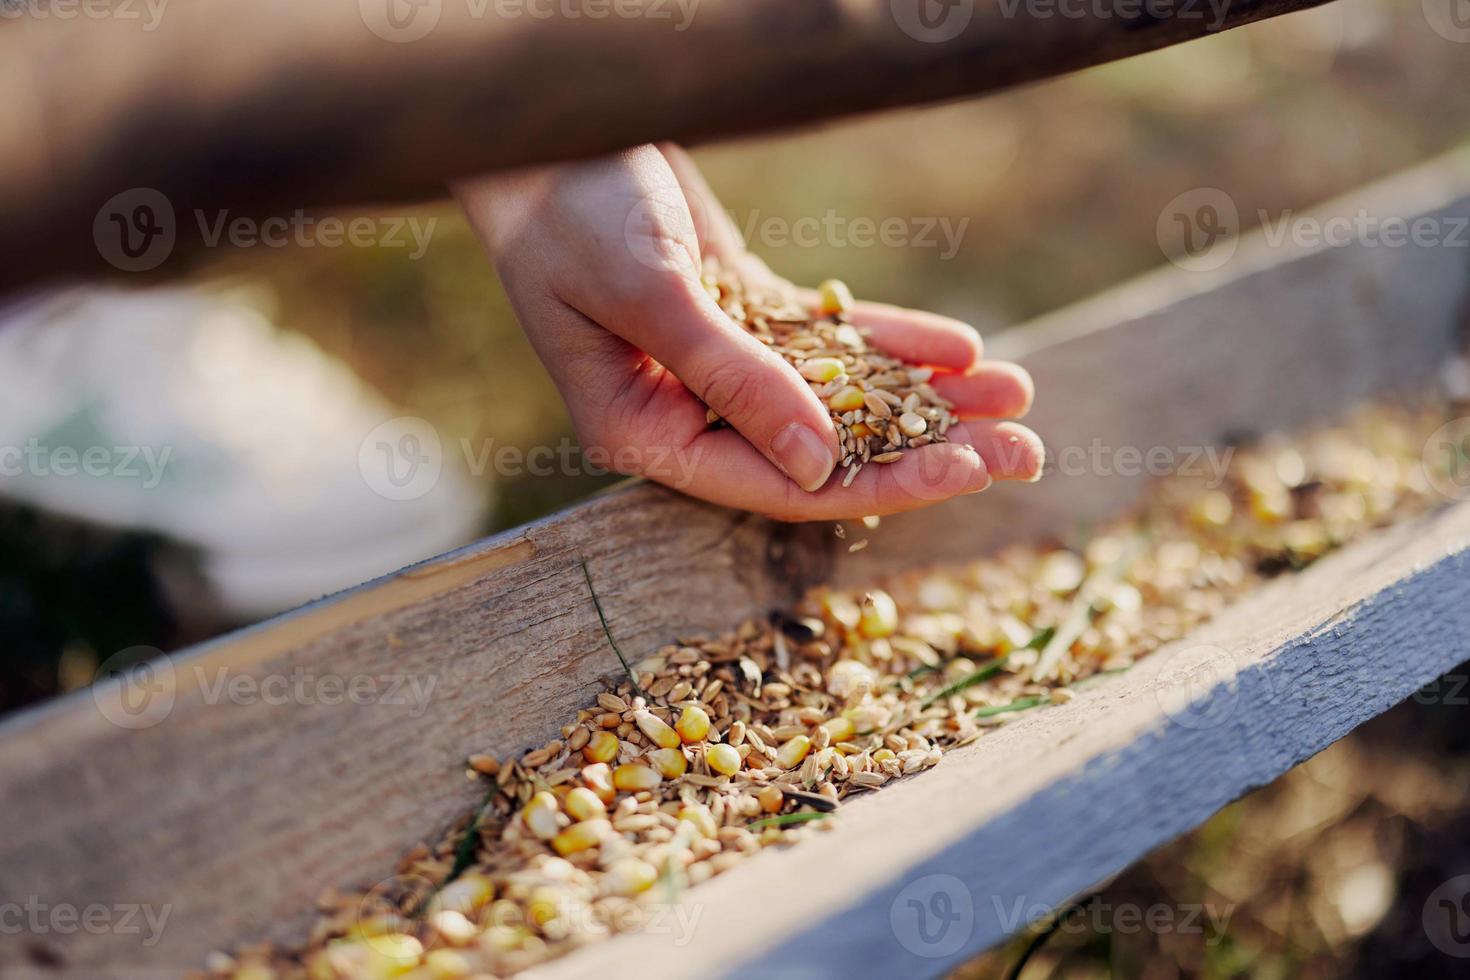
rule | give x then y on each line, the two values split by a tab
239	805
1064	798
320	104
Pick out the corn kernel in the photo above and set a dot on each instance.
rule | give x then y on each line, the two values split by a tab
581	836
583	804
723	759
671	763
883	755
693	724
658	732
699	815
771	799
847	398
466	894
543	905
599	780
542	815
860	430
1211	509
387	956
601	747
835	296
880	615
632	778
452	927
789	756
841	728
822	369
254	971
630	876
448	964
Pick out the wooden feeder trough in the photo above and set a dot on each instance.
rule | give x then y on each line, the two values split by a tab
234	817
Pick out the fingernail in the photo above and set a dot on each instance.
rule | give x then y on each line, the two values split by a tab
980	478
803	455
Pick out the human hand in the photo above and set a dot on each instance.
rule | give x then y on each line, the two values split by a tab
602	263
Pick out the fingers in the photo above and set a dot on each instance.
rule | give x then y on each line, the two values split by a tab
991	389
753	389
914	335
1010	450
723	468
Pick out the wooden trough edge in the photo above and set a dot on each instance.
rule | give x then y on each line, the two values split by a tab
239	814
1011	827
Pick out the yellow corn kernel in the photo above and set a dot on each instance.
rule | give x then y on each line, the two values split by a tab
822	369
671	763
658	732
840	728
452	927
771	799
693	724
583	804
599	780
632	777
466	895
880	615
835	296
601	747
389	956
789	756
1211	509
447	964
543	905
847	398
883	755
254	971
723	759
580	836
699	815
630	876
860	430
542	815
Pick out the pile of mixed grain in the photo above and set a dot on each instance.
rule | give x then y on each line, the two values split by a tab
879	405
733	744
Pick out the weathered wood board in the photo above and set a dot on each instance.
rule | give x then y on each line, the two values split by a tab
237	806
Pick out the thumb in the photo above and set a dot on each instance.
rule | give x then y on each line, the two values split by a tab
751	387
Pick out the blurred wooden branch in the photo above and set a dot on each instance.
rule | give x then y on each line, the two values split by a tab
272	106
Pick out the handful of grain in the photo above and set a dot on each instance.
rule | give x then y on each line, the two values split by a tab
879	405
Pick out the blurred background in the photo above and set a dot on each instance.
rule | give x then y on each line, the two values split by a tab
993	211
